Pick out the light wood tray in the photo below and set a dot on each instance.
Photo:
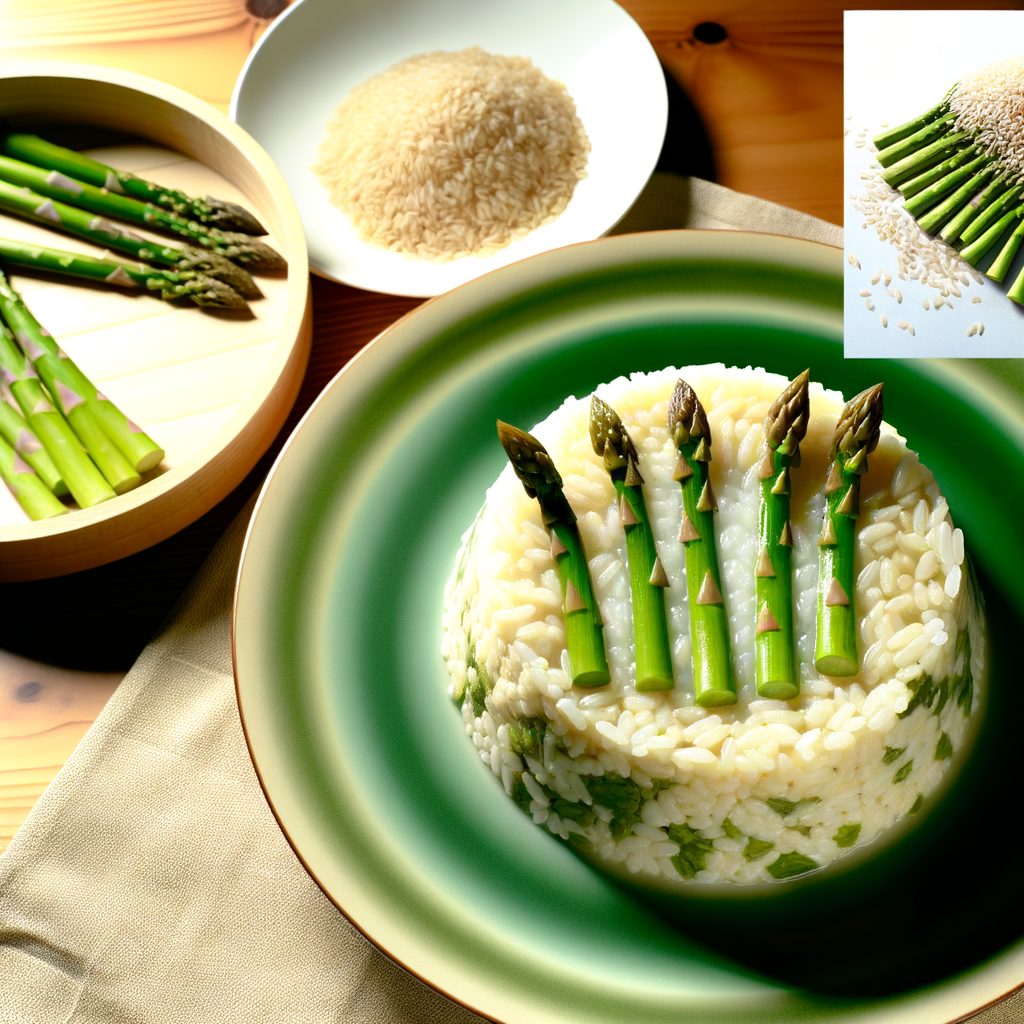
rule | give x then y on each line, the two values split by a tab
212	388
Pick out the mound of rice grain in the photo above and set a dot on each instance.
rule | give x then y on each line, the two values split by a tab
990	101
446	155
649	783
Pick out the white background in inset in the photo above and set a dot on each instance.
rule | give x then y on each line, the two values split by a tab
897	65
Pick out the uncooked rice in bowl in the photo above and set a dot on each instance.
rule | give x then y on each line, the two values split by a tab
446	155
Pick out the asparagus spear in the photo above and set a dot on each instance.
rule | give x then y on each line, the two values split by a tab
855	438
952	182
584	630
235	246
938	217
999	206
68	384
55	214
32	494
215	212
647	578
713	679
891	135
933	174
83	479
17	433
910	166
1016	292
169	284
784	429
1001	264
974	252
988	195
912	143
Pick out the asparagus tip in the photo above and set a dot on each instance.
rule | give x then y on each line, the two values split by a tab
860	422
233	217
686	416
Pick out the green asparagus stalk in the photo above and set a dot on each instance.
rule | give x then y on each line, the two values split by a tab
976	251
22	481
1016	292
1001	264
988	217
954	182
84	480
918	140
939	171
55	214
885	139
17	433
168	284
855	438
584	630
988	195
53	363
937	218
910	166
784	429
214	212
235	246
647	578
713	678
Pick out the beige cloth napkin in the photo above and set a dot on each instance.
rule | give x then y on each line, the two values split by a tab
150	883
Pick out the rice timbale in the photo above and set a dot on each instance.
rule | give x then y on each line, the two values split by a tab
650	782
446	155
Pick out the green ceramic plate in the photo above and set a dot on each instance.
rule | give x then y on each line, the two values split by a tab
342	689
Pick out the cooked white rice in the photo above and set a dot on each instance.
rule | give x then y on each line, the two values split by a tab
446	155
651	783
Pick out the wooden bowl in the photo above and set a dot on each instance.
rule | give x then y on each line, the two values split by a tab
212	388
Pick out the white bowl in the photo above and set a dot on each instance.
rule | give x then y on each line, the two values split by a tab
309	60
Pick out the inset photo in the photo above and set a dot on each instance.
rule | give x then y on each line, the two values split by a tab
934	183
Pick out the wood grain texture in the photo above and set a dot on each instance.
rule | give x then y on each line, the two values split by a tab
212	387
44	713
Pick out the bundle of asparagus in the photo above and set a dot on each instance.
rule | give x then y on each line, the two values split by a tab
214	212
647	578
66	434
584	630
959	165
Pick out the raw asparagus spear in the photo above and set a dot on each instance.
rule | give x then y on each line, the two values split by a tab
69	385
235	246
910	166
584	630
891	135
16	432
647	579
988	195
22	481
1001	264
989	216
713	679
168	284
84	480
215	212
784	429
937	218
974	252
938	172
855	438
952	182
55	214
910	143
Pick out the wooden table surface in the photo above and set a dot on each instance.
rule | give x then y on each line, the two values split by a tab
759	112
